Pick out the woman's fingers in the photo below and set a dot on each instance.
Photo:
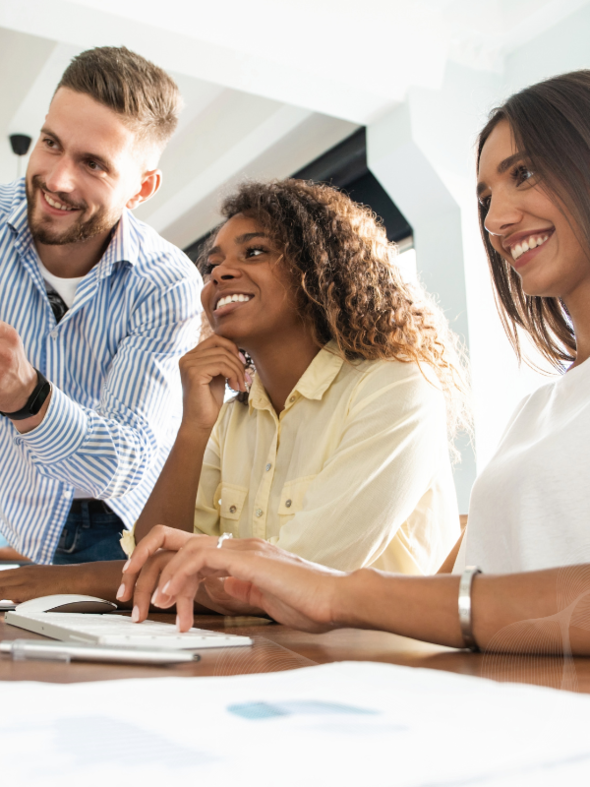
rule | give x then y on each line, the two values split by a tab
216	341
245	592
185	606
202	561
202	371
146	584
291	590
159	537
187	565
209	360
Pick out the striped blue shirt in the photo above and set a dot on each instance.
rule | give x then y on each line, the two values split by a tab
113	362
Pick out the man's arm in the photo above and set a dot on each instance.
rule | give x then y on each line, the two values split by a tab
100	579
107	451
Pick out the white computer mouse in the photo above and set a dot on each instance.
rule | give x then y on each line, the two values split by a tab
67	602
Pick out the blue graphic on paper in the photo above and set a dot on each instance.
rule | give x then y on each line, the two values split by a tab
269	710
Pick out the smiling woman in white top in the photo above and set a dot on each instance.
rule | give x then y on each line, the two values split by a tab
529	508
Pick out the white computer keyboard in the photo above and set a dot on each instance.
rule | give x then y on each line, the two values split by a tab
119	630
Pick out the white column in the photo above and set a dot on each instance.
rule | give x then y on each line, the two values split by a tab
423	155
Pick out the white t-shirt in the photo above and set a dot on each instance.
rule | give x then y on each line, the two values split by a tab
65	288
530	507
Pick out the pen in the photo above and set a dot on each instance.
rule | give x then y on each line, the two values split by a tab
25	650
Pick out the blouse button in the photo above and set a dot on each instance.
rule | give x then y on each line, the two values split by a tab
268	467
259	512
232	509
288	503
291	398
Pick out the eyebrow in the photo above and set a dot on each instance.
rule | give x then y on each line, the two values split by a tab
239	240
502	167
249	236
99	159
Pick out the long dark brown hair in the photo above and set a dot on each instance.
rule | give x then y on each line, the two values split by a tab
550	122
347	286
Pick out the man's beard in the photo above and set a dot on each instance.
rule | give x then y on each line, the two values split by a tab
101	222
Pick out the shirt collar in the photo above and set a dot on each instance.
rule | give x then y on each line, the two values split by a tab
123	246
313	383
17	219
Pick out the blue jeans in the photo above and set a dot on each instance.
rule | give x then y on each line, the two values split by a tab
91	532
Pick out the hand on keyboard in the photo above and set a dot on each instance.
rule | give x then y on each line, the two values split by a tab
155	561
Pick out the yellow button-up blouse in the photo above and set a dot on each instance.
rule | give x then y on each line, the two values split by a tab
354	472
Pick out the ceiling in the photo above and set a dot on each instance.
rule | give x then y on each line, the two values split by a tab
269	85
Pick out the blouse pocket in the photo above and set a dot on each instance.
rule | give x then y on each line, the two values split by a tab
292	496
232	500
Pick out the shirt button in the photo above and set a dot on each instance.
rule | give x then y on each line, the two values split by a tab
291	398
288	503
232	509
267	468
259	512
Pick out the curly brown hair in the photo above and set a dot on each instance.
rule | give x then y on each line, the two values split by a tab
347	285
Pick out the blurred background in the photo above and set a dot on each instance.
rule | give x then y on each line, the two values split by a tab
383	98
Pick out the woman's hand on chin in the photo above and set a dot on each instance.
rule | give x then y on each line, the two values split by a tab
204	372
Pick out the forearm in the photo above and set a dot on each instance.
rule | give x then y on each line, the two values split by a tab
172	501
100	579
103	452
419	607
92	579
505	609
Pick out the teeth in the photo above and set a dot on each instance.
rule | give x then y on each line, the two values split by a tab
237	297
529	243
55	204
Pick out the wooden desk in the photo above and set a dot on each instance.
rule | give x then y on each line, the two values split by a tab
279	648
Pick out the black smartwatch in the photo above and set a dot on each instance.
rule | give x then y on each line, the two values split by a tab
34	402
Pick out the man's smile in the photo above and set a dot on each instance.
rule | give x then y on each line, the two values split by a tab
57	205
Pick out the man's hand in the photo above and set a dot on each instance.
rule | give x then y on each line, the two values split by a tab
8	553
18	378
22	584
91	579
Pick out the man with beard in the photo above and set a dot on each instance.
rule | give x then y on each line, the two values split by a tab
95	311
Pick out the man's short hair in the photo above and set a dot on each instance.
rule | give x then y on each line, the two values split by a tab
147	99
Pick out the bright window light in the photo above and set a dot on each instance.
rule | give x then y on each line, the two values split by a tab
406	261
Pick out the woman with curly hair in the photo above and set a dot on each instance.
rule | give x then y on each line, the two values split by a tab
336	447
349	387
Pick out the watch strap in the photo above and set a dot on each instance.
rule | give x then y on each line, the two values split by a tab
35	401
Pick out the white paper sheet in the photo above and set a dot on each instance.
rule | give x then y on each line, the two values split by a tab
350	723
